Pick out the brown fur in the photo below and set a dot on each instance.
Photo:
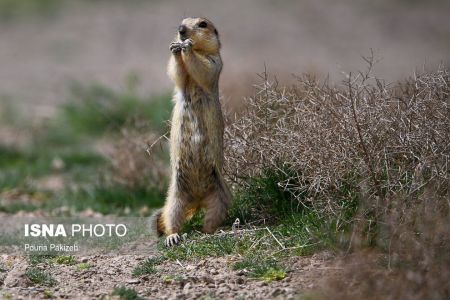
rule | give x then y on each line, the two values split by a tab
196	137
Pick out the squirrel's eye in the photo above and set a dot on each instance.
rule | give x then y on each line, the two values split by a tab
202	24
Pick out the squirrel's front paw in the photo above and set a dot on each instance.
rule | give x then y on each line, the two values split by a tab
175	47
186	45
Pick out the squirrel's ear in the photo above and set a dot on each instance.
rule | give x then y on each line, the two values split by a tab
215	31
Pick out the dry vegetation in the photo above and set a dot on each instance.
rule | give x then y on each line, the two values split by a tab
378	138
384	148
411	259
137	158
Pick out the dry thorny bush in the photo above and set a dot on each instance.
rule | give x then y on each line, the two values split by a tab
389	144
383	139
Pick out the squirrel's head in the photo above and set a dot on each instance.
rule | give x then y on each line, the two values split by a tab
202	32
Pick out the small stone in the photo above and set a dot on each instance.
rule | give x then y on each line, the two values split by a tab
186	287
201	262
276	292
213	272
133	281
190	267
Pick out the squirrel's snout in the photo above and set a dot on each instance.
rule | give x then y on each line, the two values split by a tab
182	30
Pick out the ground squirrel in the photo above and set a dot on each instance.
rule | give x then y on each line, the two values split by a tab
196	136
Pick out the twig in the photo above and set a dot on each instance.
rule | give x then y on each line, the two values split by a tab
279	243
368	158
178	262
296	247
156	141
256	243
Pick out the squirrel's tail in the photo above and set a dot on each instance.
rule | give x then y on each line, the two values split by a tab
157	223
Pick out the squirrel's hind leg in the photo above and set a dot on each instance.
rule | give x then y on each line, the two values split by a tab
217	203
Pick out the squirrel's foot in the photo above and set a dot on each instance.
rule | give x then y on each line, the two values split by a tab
186	45
175	47
172	240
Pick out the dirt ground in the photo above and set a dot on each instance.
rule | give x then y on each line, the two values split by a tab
211	277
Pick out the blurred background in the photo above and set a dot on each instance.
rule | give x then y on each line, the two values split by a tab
45	45
84	94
